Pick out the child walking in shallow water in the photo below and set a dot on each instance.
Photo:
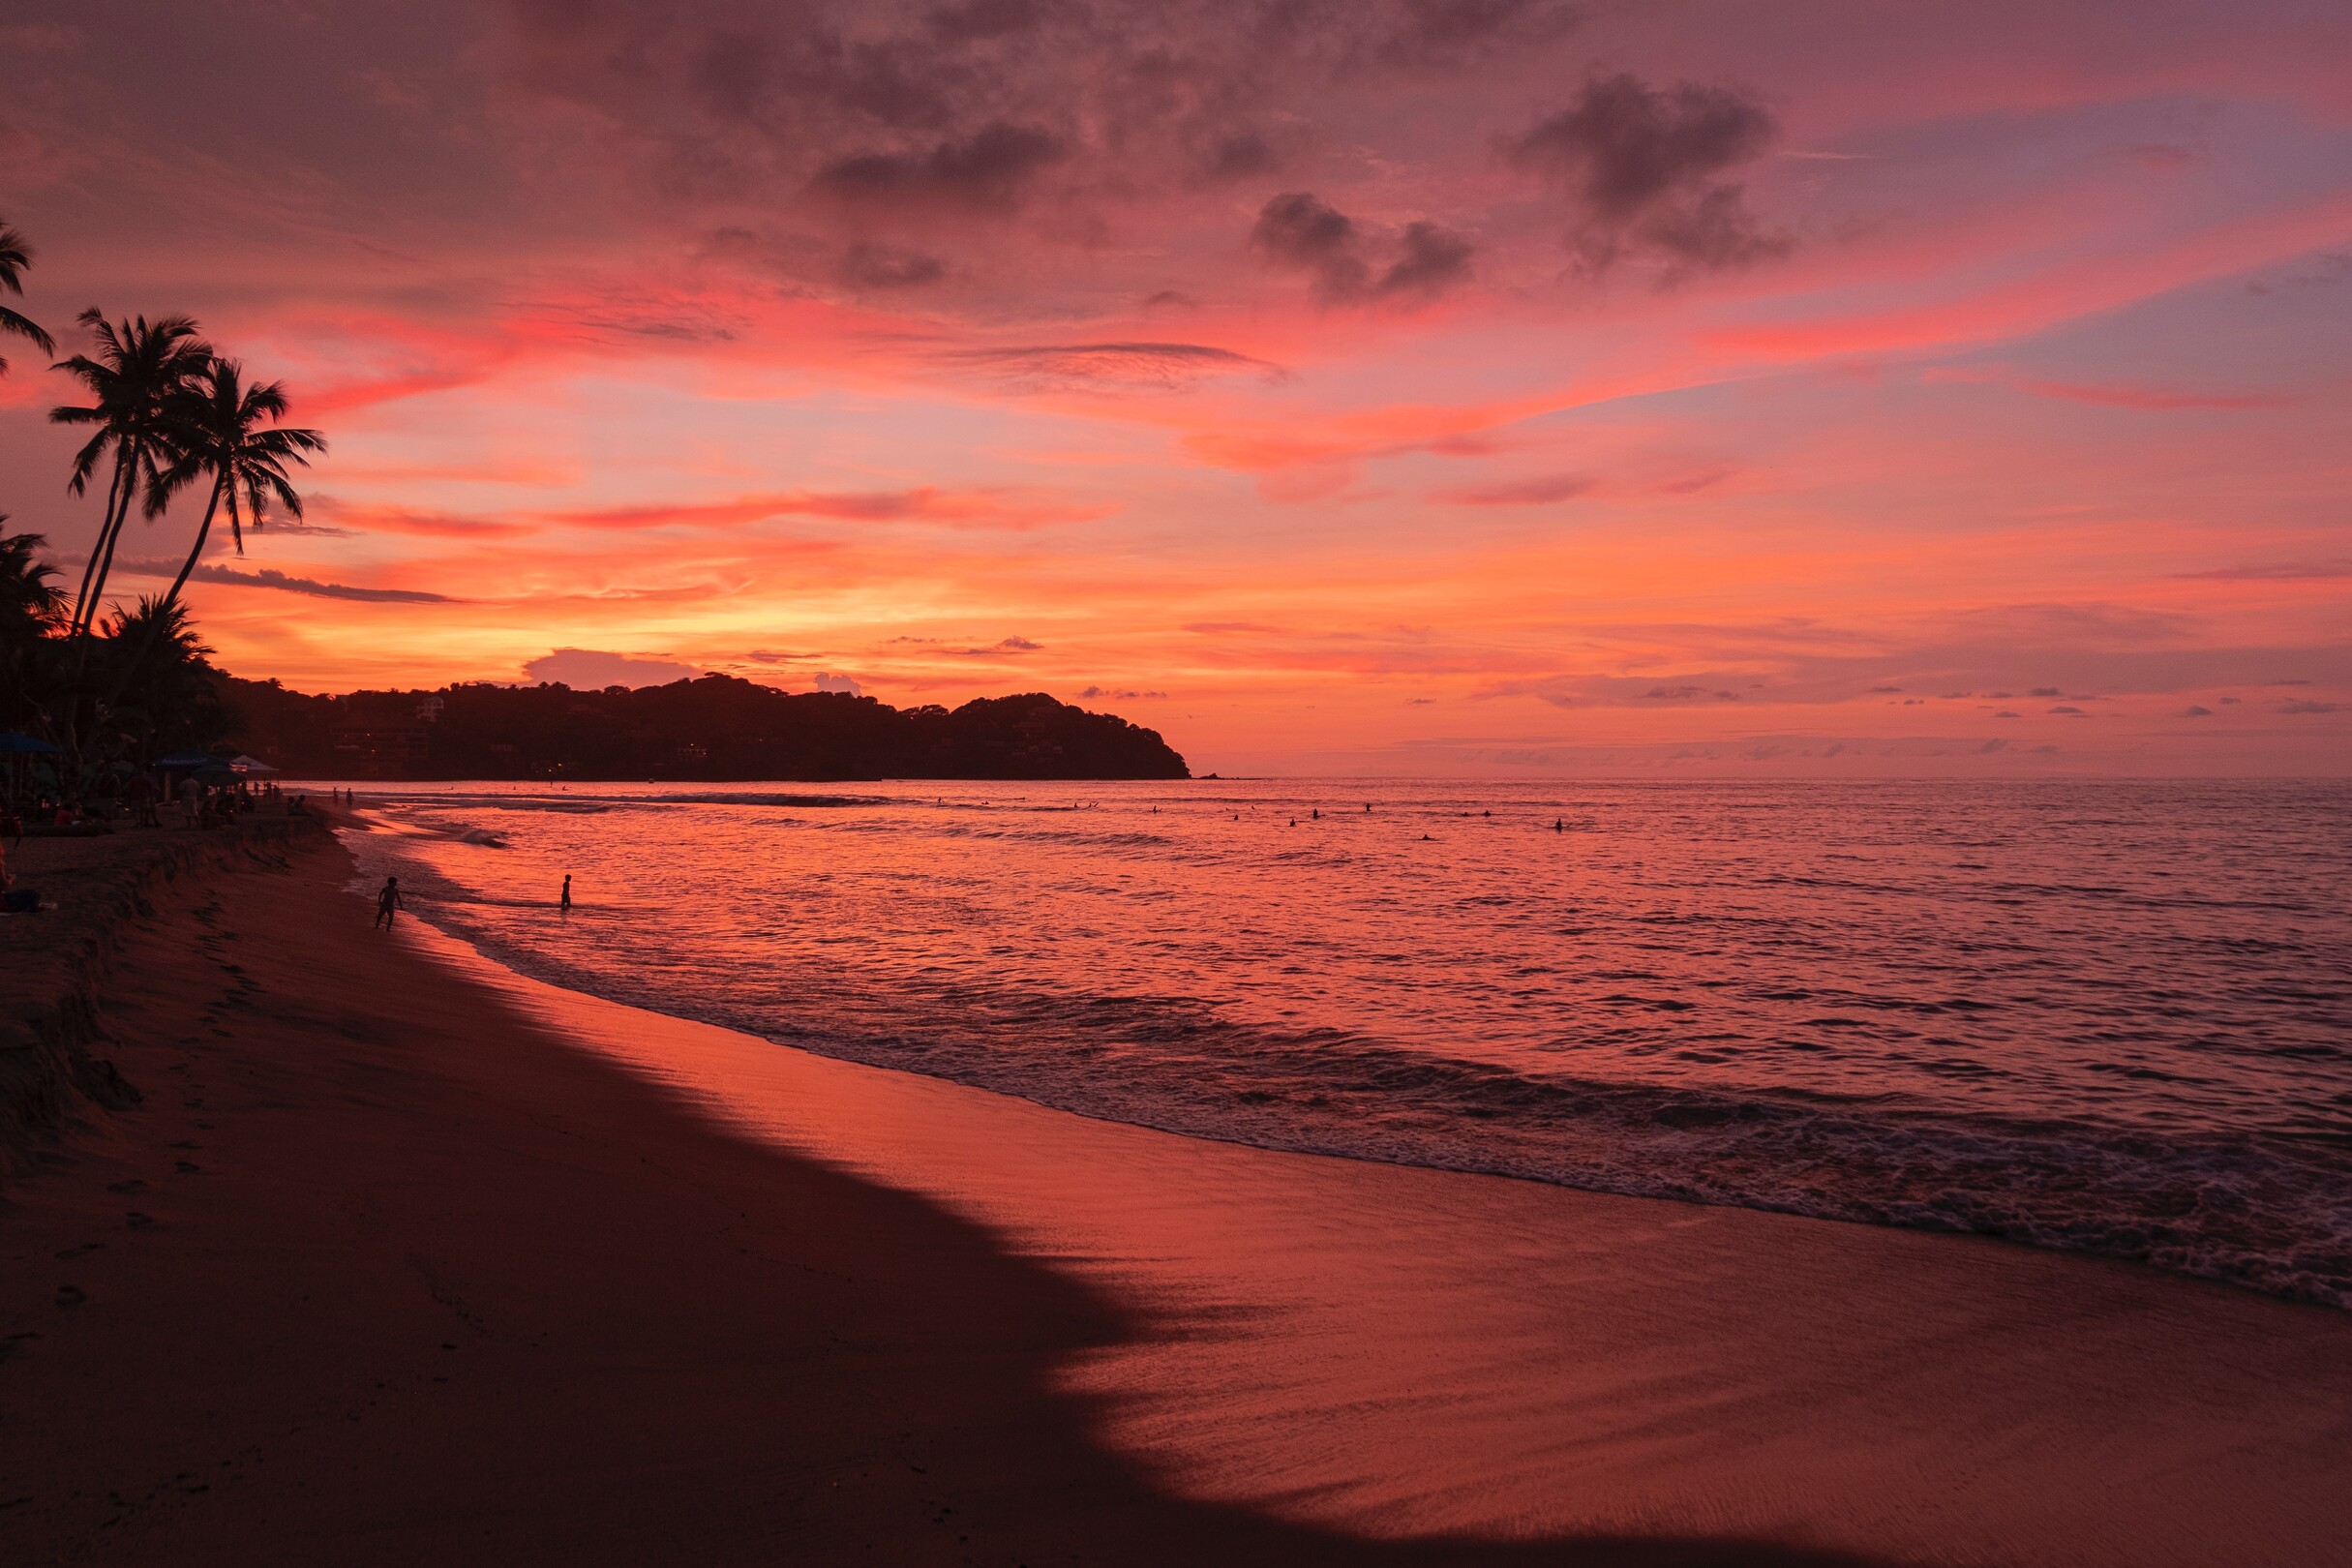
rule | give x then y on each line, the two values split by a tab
566	905
387	901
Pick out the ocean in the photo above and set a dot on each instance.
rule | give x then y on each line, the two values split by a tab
2113	1017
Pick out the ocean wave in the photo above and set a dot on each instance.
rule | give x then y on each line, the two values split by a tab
2271	1213
2256	1212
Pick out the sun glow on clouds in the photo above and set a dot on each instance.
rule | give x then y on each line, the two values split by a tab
1403	386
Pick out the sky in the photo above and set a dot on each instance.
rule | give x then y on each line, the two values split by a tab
1506	387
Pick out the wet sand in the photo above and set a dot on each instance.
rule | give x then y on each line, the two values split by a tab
403	1260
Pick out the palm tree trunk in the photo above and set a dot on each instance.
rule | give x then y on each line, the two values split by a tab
122	515
212	505
156	623
106	531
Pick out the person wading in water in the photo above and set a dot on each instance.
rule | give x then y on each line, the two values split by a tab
567	904
387	901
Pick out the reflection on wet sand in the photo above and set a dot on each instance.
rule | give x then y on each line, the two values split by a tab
1404	1352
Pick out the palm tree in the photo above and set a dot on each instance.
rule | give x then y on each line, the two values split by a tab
139	370
28	600
14	257
218	428
222	428
31	609
164	692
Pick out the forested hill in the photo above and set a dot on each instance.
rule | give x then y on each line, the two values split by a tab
711	729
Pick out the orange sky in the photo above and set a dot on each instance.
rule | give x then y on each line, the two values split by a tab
1427	386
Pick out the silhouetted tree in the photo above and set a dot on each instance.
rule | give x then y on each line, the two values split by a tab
137	373
14	257
169	691
221	429
30	602
32	611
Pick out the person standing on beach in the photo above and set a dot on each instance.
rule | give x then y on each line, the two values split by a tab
387	901
567	904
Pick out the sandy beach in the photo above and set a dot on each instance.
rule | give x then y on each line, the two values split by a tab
400	1259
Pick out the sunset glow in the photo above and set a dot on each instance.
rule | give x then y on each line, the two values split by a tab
1416	387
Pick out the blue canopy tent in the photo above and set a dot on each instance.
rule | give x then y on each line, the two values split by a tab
25	745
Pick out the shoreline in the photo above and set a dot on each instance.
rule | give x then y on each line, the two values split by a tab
711	1297
2254	1205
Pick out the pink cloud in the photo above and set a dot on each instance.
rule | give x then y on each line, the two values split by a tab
926	504
2153	397
1541	492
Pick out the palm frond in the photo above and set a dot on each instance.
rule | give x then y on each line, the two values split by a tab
14	257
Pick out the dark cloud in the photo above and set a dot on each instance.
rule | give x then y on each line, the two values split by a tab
270	578
1158	364
1714	232
989	173
1626	147
982	108
1435	260
2307	706
1121	695
1642	163
2194	711
1299	230
266	577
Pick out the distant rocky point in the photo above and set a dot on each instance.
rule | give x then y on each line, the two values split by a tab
712	728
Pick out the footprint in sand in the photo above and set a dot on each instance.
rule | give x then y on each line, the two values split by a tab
76	1251
70	1296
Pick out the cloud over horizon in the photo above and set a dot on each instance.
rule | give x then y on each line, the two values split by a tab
594	669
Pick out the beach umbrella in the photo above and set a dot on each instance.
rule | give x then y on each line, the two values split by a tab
179	762
250	766
11	742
